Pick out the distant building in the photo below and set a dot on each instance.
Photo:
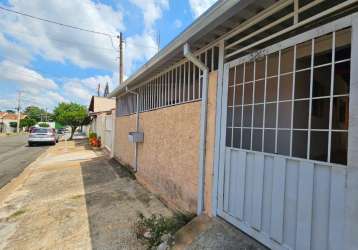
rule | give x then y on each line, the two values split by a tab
5	120
101	111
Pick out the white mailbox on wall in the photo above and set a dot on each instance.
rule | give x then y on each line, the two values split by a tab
135	137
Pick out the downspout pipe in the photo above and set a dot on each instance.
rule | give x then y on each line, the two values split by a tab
203	120
137	128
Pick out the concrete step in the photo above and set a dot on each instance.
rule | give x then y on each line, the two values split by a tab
204	232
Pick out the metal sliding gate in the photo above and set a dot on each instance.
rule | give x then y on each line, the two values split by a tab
108	131
283	156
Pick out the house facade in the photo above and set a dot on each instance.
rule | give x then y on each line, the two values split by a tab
102	111
248	115
5	120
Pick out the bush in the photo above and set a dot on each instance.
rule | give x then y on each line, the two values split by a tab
44	125
151	230
27	122
92	135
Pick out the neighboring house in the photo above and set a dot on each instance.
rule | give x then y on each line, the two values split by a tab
101	111
265	133
6	119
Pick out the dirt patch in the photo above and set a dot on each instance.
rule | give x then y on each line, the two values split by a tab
122	171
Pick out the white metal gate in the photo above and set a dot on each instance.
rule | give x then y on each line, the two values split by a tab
108	132
279	182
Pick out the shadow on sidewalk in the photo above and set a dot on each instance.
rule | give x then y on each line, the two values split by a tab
113	201
82	143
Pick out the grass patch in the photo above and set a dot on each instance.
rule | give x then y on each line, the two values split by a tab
156	229
17	213
76	196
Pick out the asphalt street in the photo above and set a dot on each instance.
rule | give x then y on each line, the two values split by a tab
15	156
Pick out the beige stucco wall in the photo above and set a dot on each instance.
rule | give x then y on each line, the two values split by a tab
124	150
168	158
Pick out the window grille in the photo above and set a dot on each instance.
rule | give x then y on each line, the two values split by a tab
179	84
126	105
293	102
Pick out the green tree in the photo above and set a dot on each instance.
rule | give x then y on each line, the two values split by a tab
37	113
27	122
13	124
10	111
71	114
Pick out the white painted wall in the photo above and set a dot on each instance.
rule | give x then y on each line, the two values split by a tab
102	125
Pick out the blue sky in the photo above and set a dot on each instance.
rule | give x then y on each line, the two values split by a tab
52	64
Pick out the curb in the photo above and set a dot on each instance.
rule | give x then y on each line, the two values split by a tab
16	182
189	232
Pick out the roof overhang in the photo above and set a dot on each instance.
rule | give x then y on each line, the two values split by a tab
99	104
91	106
216	21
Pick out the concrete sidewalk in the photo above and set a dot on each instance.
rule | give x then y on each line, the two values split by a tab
75	198
204	233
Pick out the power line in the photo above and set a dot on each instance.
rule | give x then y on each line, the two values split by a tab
58	23
81	29
61	24
110	50
18	111
73	27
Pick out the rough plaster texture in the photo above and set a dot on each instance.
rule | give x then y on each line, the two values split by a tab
123	149
168	158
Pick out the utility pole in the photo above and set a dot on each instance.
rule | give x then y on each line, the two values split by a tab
121	69
158	41
18	111
106	90
98	89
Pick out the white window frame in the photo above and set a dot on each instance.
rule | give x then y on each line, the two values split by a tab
332	27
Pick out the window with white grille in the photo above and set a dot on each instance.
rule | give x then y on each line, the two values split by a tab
181	83
293	102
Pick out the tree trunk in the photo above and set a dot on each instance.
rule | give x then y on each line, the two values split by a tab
73	129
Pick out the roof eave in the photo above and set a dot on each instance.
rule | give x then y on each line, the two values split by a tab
214	13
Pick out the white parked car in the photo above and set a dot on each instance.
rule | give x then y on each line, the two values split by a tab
42	135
